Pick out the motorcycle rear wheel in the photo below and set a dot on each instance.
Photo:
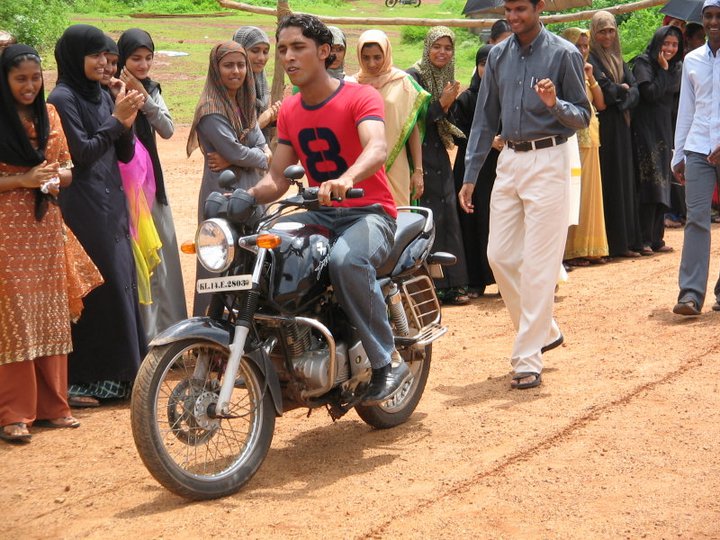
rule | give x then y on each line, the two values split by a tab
186	450
397	410
390	3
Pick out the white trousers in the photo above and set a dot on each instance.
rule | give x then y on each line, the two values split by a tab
528	229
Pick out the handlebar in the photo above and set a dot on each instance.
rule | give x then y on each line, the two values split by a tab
295	173
311	194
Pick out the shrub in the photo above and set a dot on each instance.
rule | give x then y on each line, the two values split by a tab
38	23
413	34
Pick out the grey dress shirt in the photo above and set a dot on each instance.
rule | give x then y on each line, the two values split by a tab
507	95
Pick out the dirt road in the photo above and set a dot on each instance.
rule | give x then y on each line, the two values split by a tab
621	440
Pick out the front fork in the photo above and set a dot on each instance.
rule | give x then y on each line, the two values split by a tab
237	345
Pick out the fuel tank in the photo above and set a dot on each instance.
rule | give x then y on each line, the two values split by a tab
299	270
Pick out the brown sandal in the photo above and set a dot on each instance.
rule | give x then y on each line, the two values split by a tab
80	402
59	423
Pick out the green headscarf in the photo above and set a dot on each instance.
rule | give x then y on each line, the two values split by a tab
434	80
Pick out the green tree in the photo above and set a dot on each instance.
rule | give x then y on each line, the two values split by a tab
38	23
637	31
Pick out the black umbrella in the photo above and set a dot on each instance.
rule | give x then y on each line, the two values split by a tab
481	5
473	6
686	10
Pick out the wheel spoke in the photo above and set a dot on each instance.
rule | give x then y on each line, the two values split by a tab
195	442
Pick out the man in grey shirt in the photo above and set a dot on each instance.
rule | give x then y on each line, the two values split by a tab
534	87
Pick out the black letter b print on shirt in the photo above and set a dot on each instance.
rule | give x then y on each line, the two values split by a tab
322	149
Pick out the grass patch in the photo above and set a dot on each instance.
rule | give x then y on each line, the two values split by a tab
182	78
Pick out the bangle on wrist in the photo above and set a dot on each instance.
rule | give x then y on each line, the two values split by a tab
418	170
594	85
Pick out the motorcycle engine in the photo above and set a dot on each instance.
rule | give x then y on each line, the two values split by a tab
310	357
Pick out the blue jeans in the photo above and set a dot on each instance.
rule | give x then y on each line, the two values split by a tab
363	238
701	178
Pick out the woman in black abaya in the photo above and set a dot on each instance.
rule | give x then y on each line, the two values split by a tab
108	340
475	226
657	71
616	155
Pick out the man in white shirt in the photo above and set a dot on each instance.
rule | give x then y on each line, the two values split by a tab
696	161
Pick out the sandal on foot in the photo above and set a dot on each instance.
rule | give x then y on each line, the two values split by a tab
578	262
646	251
517	385
455	297
553	344
83	402
475	292
664	249
59	423
630	254
18	433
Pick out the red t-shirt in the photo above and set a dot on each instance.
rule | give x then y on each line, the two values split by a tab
325	137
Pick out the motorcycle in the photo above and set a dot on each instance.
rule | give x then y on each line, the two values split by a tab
274	339
393	3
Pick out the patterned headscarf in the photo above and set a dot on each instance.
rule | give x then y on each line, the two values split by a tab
248	37
215	99
387	72
434	80
610	58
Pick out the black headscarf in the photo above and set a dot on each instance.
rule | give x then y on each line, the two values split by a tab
650	57
130	41
481	55
110	46
15	146
77	42
655	45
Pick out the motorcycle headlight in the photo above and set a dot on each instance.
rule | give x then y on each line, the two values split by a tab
215	245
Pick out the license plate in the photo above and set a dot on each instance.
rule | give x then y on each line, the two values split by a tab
222	284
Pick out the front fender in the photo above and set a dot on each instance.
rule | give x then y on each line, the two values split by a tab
195	328
219	332
262	361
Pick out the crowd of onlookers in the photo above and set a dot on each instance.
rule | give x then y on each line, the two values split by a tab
89	234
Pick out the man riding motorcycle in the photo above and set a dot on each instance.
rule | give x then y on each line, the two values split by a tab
336	130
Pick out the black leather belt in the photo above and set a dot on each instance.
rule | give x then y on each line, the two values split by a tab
526	146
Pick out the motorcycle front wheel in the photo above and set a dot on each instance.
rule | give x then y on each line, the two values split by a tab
398	409
390	3
184	447
417	4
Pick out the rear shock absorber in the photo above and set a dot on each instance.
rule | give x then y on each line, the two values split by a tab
397	311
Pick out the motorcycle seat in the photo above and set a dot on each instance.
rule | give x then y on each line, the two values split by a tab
409	226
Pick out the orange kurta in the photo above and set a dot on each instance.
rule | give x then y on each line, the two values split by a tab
40	261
